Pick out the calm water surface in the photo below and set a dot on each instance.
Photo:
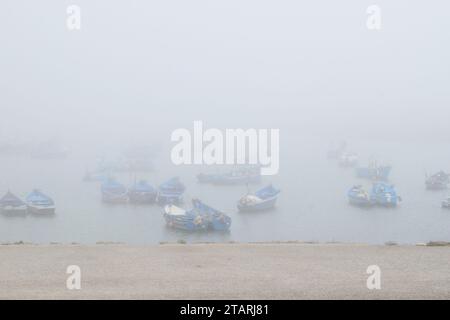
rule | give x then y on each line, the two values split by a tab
312	206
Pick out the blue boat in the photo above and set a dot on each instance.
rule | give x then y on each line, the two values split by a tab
39	203
171	192
374	172
142	192
12	205
384	194
217	220
181	219
113	192
248	174
263	199
359	197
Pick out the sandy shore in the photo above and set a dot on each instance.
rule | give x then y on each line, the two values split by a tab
224	271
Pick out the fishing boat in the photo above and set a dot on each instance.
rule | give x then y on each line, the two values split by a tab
438	181
39	203
374	172
178	218
142	192
217	220
171	191
384	194
348	160
248	174
446	203
359	197
263	199
113	192
12	205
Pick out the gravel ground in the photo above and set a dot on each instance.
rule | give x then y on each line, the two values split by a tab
224	271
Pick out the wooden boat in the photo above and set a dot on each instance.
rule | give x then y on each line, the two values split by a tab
384	194
438	181
39	203
217	220
374	172
12	205
171	192
263	199
181	219
359	197
113	192
446	203
142	192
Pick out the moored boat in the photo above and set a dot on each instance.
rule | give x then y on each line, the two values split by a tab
446	203
40	203
113	192
263	199
359	197
142	192
171	191
10	204
437	181
217	220
178	218
374	172
384	194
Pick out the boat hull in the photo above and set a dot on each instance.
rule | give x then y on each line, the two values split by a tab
359	202
114	198
142	197
165	199
14	210
264	205
381	173
41	210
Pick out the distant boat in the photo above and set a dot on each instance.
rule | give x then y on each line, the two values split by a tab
263	199
384	194
217	220
374	172
12	205
248	174
359	197
438	181
348	160
142	192
113	192
446	203
39	203
181	219
171	192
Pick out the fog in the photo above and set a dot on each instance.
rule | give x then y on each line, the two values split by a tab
138	70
